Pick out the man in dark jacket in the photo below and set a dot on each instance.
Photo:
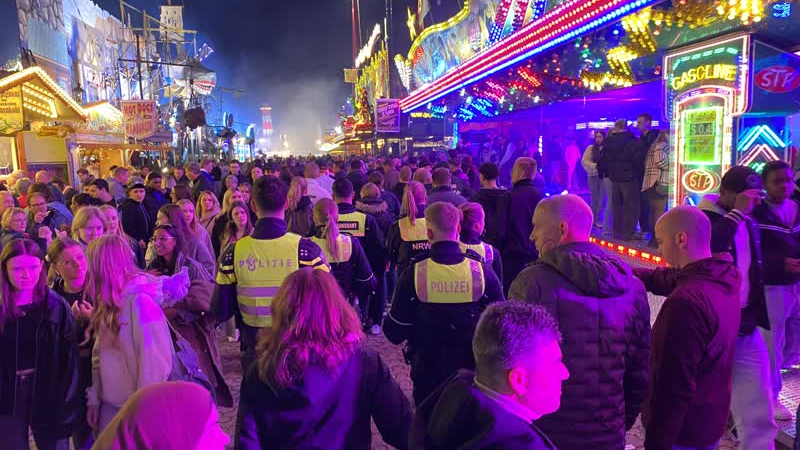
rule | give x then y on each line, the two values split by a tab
493	408
622	155
135	219
605	318
492	199
443	190
734	233
154	196
200	183
694	336
392	202
516	247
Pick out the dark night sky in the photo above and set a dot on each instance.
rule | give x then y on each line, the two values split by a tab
289	53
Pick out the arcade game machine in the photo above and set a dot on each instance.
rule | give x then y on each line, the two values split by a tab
729	102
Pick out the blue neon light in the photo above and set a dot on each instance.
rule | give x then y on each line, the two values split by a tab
760	131
624	10
782	10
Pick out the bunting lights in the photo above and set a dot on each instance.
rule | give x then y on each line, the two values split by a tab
570	20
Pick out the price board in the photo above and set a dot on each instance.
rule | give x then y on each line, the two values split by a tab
702	136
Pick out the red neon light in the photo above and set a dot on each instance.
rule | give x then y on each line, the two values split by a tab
555	24
630	252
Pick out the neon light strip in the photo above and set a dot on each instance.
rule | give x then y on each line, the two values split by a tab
570	20
30	73
629	251
366	51
441	26
755	132
759	149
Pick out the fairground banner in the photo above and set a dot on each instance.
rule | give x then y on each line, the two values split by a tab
139	117
387	115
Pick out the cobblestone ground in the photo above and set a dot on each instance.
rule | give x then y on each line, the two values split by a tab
394	359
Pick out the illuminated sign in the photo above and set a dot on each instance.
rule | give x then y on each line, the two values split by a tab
700	181
778	79
703	135
421	115
726	72
11	116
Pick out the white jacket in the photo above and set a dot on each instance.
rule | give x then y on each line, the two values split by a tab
141	354
587	163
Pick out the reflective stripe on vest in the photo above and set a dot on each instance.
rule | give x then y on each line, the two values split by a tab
483	249
260	267
451	284
354	223
345	248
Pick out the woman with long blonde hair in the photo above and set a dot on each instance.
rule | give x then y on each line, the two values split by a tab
207	210
221	223
112	219
315	353
89	224
299	215
239	224
133	346
348	261
408	236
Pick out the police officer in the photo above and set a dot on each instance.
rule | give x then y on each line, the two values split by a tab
408	237
437	303
472	227
365	228
252	269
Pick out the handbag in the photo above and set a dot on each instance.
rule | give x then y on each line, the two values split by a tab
185	363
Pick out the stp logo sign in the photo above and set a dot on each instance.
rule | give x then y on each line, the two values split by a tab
700	181
778	79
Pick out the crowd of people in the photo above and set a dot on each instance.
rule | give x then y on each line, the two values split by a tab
519	332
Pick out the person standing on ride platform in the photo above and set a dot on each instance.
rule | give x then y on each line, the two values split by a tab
253	268
437	304
359	225
407	238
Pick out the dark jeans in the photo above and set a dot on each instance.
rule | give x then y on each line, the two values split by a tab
625	202
82	433
645	224
14	427
377	302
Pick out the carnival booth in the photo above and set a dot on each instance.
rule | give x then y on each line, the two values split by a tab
36	116
730	102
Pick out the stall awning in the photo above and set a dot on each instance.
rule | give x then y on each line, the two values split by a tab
42	98
130	147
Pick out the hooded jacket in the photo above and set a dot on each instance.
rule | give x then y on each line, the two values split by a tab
728	227
379	209
691	362
56	393
604	316
140	354
458	416
327	410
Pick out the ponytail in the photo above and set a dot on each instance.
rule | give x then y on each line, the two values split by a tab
326	213
414	196
331	234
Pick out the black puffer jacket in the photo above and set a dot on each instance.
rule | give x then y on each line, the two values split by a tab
136	220
56	395
493	201
621	157
604	317
301	219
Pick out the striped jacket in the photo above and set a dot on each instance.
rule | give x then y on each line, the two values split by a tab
778	242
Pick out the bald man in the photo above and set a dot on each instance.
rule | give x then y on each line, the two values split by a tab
604	318
694	336
437	302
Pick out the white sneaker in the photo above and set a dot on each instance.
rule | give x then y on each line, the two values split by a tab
782	412
375	330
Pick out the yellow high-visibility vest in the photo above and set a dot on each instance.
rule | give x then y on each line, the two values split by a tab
413	233
354	223
483	249
345	248
450	284
260	267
